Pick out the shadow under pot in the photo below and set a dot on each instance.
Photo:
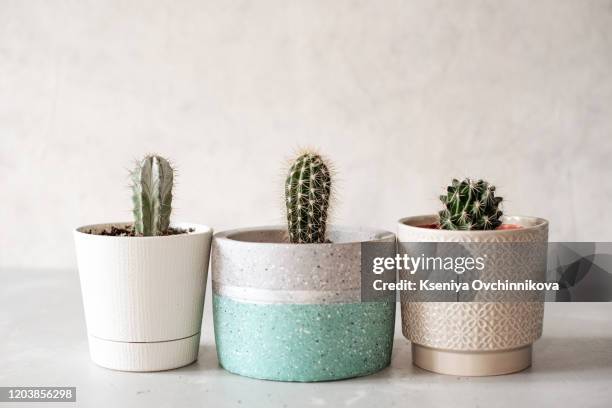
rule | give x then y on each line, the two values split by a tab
143	296
293	312
475	332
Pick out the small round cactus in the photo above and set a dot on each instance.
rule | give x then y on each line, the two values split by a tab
152	182
307	193
470	205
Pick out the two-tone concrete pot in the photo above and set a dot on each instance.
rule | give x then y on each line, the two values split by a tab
143	296
292	312
486	335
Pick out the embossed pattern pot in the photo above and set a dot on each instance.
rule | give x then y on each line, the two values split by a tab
479	338
292	312
143	296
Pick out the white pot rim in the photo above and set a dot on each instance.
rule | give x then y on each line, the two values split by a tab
528	223
199	229
378	235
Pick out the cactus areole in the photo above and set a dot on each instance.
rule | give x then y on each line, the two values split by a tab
470	205
307	193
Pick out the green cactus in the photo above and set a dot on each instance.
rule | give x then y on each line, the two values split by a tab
307	194
152	182
470	205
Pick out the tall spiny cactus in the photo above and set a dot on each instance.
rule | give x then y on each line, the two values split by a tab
307	193
152	181
470	205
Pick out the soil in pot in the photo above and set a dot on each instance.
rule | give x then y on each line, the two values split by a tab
128	231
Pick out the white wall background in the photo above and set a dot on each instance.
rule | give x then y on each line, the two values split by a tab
403	95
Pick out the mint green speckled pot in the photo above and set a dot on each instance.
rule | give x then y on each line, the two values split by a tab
292	312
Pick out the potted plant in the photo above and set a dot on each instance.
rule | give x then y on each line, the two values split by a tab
488	334
286	300
143	283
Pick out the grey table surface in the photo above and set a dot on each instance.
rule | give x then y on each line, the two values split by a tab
43	343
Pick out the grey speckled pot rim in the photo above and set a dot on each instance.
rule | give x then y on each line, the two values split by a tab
381	235
261	268
528	223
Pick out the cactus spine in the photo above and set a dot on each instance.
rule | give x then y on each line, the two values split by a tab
470	205
152	182
307	193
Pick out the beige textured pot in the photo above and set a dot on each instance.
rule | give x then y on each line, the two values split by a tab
478	338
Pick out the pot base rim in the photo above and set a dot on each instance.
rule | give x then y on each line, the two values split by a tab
144	356
472	363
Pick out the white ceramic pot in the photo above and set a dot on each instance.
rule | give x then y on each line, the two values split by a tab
143	296
479	338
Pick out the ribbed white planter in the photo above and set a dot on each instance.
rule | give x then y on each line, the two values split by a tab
479	337
143	296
